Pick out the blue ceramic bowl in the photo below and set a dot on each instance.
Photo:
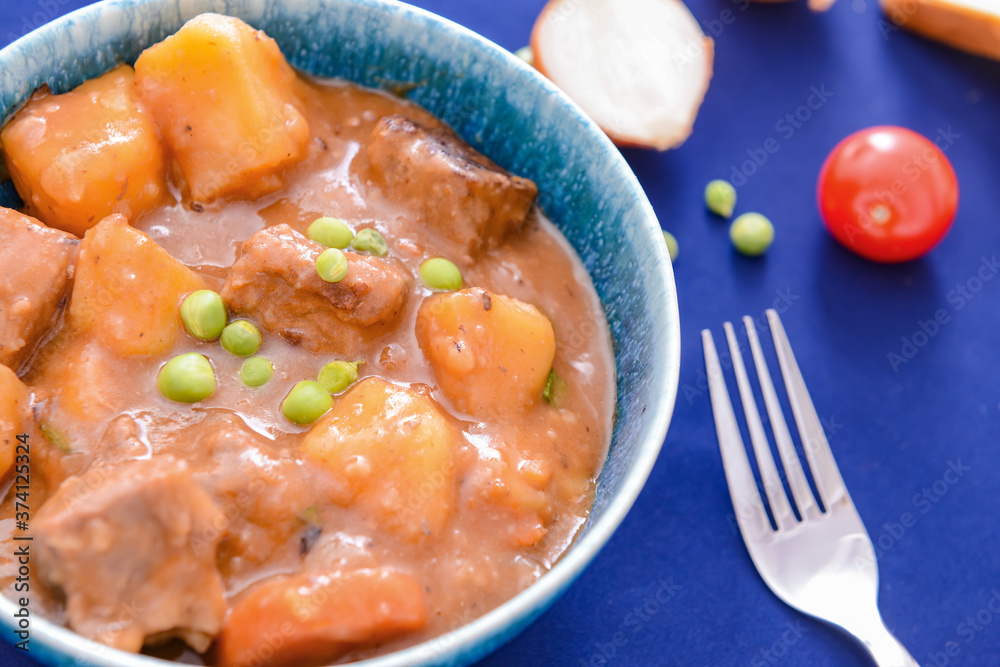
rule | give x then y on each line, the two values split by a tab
510	113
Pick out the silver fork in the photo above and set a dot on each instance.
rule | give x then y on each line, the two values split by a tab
822	564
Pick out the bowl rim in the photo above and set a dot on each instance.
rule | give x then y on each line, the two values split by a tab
484	634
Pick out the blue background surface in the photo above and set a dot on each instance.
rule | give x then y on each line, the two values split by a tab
675	585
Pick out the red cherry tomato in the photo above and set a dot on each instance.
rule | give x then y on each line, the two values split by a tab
887	193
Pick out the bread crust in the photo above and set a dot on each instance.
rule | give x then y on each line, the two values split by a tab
970	30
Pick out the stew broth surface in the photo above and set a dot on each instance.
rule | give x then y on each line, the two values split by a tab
523	483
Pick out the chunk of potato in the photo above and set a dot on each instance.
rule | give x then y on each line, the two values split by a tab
81	156
392	449
128	290
491	354
79	374
313	619
223	97
15	402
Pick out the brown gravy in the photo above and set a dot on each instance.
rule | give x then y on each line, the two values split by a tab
283	522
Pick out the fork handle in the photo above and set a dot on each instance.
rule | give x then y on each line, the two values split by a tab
885	649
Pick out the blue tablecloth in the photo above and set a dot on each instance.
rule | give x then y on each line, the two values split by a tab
916	441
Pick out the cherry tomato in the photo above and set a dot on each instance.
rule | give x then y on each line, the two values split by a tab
887	193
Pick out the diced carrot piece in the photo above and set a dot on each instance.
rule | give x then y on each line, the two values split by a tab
312	619
81	156
393	450
128	290
491	354
526	530
15	400
224	99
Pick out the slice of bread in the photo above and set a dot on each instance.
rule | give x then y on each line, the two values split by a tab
970	25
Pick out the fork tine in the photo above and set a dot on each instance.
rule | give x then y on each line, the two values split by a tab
786	449
765	462
829	483
747	504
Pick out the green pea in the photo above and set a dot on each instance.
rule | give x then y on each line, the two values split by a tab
439	273
555	389
369	240
672	248
241	338
720	198
309	515
337	376
56	436
331	232
187	378
331	265
203	314
256	371
751	234
306	402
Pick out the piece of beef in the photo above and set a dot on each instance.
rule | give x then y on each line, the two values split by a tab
132	546
457	191
275	282
37	265
260	493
